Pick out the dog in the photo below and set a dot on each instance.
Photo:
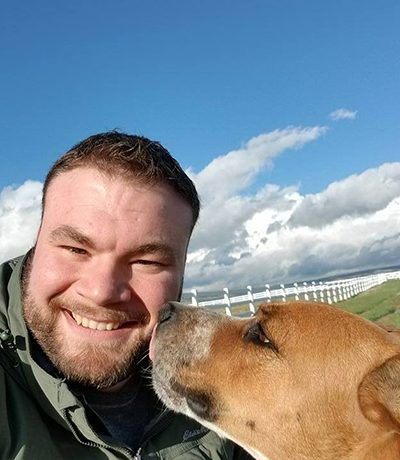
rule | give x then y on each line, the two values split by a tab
297	381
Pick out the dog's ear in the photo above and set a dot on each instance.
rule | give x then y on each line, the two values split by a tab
379	394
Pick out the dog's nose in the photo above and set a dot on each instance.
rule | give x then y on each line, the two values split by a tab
166	313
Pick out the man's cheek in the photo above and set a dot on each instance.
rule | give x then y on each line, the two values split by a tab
171	286
51	277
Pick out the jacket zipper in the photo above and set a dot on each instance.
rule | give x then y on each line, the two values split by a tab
157	426
154	429
77	435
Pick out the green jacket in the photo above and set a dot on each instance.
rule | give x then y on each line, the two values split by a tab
40	418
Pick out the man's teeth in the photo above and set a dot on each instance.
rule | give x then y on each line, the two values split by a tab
91	324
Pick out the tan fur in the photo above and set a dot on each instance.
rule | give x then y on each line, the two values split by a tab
328	388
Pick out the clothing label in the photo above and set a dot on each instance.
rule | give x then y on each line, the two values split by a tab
188	434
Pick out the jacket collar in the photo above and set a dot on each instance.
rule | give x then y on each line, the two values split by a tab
50	391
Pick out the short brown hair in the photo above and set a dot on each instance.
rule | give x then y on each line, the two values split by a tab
130	156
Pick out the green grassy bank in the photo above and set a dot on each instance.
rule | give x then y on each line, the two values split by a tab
380	304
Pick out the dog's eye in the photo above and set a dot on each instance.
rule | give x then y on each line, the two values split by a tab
256	335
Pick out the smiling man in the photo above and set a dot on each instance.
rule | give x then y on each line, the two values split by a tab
77	311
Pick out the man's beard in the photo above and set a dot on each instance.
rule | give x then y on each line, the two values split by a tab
96	365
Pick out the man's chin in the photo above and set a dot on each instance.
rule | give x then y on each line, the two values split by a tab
93	363
98	367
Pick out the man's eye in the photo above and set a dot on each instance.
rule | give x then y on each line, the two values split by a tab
75	250
148	262
256	335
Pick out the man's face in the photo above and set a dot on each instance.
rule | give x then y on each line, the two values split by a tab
109	254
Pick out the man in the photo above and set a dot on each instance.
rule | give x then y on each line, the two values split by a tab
77	311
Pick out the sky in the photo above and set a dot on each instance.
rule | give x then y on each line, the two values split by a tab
286	114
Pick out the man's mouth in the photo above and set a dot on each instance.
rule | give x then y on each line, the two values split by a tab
95	325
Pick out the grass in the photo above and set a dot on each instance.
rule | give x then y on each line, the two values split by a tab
380	304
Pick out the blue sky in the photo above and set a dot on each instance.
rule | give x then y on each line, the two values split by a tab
203	78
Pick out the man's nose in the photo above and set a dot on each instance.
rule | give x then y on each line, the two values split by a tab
104	284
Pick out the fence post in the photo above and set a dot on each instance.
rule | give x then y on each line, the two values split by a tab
268	292
335	299
350	289
194	297
340	293
314	291
344	290
347	288
283	292
321	292
296	291
251	299
227	301
306	297
328	295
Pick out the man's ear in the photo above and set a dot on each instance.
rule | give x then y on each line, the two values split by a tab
379	394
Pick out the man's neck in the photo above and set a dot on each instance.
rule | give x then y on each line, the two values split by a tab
118	386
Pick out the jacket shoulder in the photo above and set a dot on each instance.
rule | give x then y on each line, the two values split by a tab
6	271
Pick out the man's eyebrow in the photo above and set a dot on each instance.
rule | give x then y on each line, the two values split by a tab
71	233
153	248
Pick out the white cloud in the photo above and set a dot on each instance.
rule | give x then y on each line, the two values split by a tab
236	170
343	114
354	196
19	218
270	251
224	210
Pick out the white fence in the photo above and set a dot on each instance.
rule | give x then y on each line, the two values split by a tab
328	292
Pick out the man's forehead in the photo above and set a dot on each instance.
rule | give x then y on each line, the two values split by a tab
84	179
89	177
85	192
